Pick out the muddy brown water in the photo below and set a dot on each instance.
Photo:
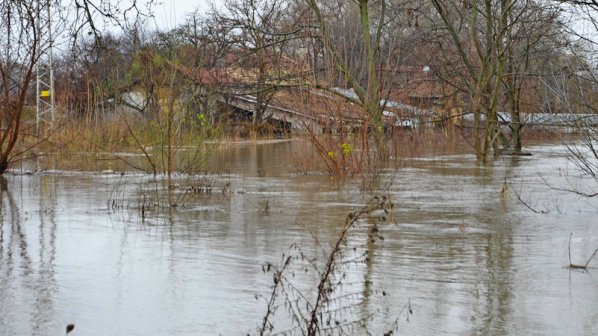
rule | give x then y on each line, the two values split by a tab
74	248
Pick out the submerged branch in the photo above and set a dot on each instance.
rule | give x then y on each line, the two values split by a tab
526	204
576	266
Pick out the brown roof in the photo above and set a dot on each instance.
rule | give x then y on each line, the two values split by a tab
317	103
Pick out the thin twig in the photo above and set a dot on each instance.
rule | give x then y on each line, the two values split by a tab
575	266
593	254
518	195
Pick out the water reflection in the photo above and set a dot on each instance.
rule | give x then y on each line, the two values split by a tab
29	283
45	285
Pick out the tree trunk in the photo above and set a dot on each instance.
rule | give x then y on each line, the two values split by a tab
3	163
516	131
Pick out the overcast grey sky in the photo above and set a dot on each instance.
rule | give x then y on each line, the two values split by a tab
171	13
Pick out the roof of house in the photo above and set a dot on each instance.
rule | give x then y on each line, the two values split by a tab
318	103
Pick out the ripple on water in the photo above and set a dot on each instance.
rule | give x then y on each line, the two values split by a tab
468	260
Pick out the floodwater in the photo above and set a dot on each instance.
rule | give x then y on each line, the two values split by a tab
76	248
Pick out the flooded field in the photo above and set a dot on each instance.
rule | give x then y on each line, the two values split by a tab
105	252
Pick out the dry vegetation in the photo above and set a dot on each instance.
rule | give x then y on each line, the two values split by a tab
348	75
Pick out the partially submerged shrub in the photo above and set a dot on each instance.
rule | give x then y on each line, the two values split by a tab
331	307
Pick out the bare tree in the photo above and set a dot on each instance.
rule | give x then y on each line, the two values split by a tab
533	28
367	87
258	32
572	88
361	46
20	34
20	52
493	51
477	31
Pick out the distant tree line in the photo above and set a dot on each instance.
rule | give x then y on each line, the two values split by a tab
487	56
